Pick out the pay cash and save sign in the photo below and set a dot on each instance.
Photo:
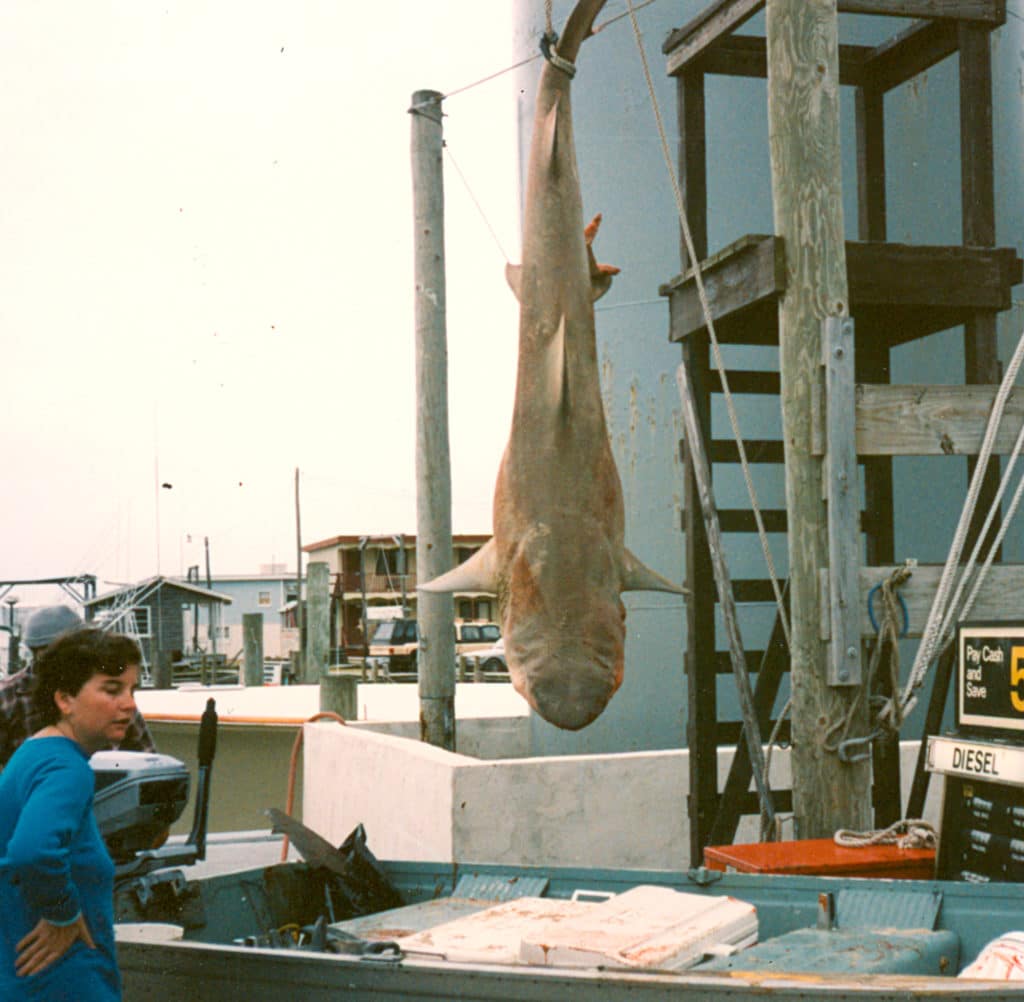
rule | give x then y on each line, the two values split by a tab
991	677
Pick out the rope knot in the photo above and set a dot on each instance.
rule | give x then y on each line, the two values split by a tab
548	41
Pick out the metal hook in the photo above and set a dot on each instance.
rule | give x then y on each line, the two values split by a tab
845	752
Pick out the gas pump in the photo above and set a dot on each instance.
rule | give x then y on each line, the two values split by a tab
982	834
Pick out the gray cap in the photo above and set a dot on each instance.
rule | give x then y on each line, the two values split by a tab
44	626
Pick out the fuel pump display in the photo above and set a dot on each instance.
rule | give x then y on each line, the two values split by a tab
982	835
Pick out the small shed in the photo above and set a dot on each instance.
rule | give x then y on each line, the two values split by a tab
158	612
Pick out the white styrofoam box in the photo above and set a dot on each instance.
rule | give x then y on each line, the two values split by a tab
646	927
492	936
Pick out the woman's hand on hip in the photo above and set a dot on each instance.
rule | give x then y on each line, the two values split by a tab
47	943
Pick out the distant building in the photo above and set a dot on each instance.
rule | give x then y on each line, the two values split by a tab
163	614
374	577
272	593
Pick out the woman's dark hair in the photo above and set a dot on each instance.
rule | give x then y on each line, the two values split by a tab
72	659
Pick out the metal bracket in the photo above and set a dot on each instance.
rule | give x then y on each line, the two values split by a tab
839	477
145	886
703	876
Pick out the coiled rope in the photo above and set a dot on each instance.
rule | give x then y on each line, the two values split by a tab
912	833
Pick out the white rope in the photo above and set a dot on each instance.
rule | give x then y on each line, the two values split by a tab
705	307
907	834
932	638
982	535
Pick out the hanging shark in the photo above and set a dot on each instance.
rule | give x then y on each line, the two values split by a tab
557	561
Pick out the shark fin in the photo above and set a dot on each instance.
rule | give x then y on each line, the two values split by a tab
600	274
637	576
514	277
479	573
549	135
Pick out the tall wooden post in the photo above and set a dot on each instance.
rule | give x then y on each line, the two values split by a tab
803	111
252	645
435	616
318	620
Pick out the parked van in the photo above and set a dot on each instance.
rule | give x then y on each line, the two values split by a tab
475	636
394	644
396	641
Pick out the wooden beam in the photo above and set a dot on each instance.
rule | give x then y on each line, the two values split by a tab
747	56
998	599
915	290
912	51
713	27
747	272
991	12
910	420
715	21
803	113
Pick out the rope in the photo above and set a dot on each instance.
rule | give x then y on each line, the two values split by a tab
887	639
475	200
292	767
932	639
702	295
907	834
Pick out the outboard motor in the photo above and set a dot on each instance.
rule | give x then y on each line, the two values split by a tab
139	795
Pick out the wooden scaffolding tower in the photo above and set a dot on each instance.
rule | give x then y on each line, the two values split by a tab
897	293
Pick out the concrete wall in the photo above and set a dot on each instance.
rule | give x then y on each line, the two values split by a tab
421	803
258	727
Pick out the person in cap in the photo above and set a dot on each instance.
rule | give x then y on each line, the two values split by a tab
56	875
19	720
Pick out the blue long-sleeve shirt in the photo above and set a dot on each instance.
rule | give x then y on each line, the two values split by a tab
54	865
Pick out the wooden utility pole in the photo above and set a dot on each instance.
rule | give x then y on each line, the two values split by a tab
803	111
299	617
436	659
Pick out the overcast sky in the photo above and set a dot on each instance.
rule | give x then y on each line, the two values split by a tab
206	275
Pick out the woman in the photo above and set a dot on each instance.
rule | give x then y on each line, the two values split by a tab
56	876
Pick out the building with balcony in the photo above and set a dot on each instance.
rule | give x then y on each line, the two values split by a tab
374	578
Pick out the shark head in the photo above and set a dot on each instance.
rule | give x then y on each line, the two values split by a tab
564	624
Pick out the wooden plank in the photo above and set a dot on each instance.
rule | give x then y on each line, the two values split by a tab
904	56
998	599
894	274
747	381
747	56
742	519
841	485
992	12
911	420
751	273
692	156
870	129
897	291
725	450
718	19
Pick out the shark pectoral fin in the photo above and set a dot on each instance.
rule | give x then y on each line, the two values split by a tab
600	274
479	573
514	277
637	576
600	280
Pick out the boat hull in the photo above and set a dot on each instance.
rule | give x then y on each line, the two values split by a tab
206	965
